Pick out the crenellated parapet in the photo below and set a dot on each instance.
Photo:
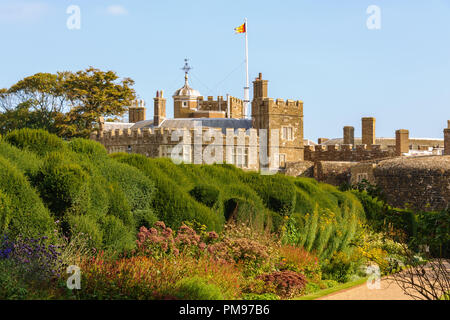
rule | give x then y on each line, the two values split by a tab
196	145
346	152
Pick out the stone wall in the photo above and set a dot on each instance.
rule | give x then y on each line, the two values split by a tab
345	153
300	169
333	172
422	183
238	147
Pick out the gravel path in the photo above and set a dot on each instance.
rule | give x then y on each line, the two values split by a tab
388	290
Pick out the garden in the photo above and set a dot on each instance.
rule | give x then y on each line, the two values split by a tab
141	228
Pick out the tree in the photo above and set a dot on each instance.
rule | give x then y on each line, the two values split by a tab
66	103
34	102
93	94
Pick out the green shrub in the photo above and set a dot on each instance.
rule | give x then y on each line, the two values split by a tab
206	194
28	216
119	207
116	237
86	225
62	184
171	203
276	191
264	296
196	288
5	212
26	161
93	149
35	140
137	187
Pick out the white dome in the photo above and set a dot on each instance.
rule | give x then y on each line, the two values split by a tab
186	90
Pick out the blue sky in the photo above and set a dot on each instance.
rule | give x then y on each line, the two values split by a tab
319	51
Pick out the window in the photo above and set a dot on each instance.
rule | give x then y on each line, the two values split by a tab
286	133
282	161
362	176
185	104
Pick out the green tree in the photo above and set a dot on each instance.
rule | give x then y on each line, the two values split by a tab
93	94
66	103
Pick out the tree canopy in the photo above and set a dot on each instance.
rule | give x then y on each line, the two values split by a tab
66	103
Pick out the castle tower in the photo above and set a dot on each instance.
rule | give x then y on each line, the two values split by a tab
349	135
401	142
136	112
159	109
282	119
185	99
368	132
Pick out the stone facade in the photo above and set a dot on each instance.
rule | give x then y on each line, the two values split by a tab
422	183
346	152
276	135
284	118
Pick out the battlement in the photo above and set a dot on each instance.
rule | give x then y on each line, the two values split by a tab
280	106
235	106
346	152
239	146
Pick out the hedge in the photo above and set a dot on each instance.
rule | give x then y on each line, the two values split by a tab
26	214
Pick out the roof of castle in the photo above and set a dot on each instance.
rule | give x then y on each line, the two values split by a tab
186	90
188	123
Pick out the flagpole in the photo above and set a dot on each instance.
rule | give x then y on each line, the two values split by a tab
247	88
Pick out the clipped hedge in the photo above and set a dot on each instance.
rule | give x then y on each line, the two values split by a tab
35	140
172	204
26	214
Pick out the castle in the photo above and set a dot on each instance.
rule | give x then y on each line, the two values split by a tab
410	170
272	137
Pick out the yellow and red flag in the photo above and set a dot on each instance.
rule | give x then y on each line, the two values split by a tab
241	29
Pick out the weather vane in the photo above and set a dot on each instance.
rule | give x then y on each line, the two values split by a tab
186	67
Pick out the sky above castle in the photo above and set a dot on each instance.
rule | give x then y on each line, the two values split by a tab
322	52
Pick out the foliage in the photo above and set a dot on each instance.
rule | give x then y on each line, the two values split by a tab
22	200
38	141
286	283
197	288
93	94
208	195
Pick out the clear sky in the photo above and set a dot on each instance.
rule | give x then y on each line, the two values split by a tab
319	51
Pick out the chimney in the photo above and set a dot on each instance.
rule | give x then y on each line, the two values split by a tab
159	109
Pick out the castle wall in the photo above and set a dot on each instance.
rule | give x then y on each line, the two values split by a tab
238	147
345	153
421	183
333	172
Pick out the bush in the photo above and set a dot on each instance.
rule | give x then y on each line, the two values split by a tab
27	214
286	283
94	150
62	184
26	161
206	194
38	141
5	211
116	237
172	204
197	288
